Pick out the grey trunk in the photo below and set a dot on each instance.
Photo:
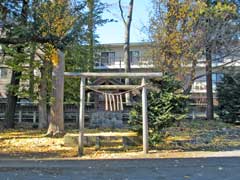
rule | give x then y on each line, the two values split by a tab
90	4
11	101
209	114
126	46
42	105
56	121
126	59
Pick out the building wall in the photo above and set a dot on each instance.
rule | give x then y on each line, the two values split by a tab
5	78
138	51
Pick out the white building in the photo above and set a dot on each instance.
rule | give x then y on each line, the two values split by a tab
111	58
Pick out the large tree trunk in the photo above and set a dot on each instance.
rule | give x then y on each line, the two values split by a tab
210	111
15	79
91	28
56	121
11	101
90	4
42	105
126	46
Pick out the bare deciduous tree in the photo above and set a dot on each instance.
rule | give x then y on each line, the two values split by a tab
126	46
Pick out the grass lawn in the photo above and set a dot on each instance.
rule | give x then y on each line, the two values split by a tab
188	136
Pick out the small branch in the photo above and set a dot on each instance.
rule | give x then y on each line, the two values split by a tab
216	69
130	11
56	41
25	40
225	64
121	10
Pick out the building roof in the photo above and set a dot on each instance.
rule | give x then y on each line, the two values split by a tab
121	44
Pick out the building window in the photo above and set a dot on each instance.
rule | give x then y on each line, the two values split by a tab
217	58
200	84
3	73
216	78
107	58
134	57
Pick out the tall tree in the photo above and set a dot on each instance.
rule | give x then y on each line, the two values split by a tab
80	56
55	29
58	23
219	29
176	42
126	47
183	31
43	95
16	75
95	10
56	121
91	30
52	33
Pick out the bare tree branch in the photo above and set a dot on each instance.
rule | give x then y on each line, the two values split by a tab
38	39
121	10
217	68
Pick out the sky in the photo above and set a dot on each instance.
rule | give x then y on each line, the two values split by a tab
113	32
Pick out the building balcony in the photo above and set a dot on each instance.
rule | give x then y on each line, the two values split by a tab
118	63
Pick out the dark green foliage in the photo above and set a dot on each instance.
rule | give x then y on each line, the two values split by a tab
75	61
80	55
228	93
19	61
166	105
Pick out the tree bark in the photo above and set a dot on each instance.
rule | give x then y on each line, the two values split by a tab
126	46
90	64
90	4
42	105
11	101
210	106
56	121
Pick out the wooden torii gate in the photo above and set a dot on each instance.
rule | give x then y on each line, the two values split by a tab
83	77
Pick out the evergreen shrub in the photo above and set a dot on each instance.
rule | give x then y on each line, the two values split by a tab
228	94
166	105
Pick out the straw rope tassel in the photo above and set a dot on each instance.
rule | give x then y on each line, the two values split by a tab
121	103
110	102
118	108
106	101
114	103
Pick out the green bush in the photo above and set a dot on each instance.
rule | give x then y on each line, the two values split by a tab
166	105
228	93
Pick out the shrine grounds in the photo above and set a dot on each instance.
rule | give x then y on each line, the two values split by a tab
194	150
184	140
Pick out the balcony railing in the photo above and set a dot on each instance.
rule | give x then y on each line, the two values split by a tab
118	63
